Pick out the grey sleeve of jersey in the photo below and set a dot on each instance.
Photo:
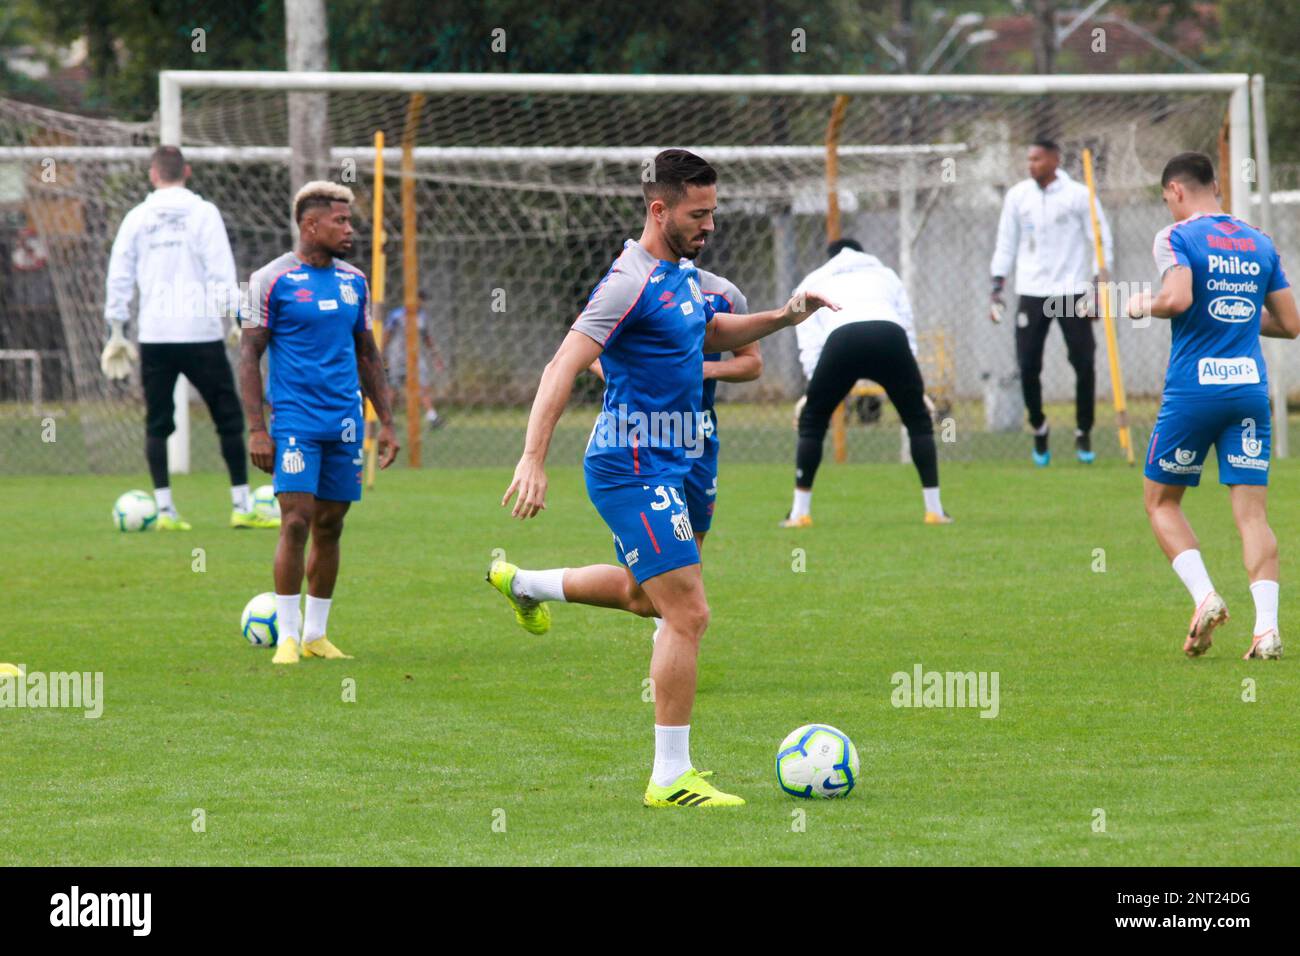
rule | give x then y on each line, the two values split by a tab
609	306
1164	252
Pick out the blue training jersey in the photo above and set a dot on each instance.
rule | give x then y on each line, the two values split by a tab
313	314
721	295
1215	350
650	316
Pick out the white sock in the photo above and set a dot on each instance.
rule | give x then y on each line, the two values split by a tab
659	623
288	619
802	503
431	416
932	503
318	613
241	498
539	585
672	754
163	498
1191	569
1265	595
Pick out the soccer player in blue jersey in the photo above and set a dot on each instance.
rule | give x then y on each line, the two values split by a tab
1222	286
311	310
700	486
649	323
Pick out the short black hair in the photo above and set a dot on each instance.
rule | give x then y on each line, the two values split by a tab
169	162
1188	168
839	245
1051	145
674	170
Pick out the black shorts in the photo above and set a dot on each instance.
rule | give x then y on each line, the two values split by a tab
206	366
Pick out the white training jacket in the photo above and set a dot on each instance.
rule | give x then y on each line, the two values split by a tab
173	247
1047	235
864	288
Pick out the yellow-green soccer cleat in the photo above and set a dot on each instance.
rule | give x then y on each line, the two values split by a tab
286	652
252	519
803	521
690	790
533	616
322	648
172	522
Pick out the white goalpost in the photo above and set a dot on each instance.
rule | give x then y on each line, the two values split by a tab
525	184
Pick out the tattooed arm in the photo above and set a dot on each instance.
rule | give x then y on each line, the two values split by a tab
252	343
370	369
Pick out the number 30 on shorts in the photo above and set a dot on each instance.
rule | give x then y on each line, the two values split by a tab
665	497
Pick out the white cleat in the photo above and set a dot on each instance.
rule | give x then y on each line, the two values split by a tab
1266	646
1208	615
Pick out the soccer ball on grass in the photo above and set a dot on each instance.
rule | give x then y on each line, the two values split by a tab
817	761
258	623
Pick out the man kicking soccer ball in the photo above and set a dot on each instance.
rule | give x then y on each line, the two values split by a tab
746	364
649	322
1217	276
312	310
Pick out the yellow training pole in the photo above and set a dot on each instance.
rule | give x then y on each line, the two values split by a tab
1103	298
378	266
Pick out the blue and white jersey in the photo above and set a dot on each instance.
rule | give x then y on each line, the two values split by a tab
313	314
721	295
650	316
1215	352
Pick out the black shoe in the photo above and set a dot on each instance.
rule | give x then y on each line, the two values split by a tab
1083	447
1042	452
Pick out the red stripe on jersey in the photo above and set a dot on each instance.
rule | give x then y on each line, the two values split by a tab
1155	437
645	521
636	459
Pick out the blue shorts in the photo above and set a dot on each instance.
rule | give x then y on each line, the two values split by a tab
652	529
330	470
1238	427
701	487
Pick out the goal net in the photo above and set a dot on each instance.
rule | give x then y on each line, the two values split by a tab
526	186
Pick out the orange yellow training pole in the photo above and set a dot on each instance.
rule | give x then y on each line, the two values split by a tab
378	266
1103	300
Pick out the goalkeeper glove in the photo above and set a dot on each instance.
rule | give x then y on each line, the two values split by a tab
232	337
118	354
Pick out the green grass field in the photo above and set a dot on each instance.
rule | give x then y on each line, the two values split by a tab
462	719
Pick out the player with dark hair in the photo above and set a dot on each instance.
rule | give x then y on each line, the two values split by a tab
649	323
1045	231
311	310
173	247
1222	286
871	336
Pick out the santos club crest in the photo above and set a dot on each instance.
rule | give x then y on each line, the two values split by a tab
682	530
696	294
348	294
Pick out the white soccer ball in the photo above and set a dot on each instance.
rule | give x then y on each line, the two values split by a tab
135	511
817	761
258	621
265	502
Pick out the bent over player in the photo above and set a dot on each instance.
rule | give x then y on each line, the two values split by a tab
312	311
1223	287
649	322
